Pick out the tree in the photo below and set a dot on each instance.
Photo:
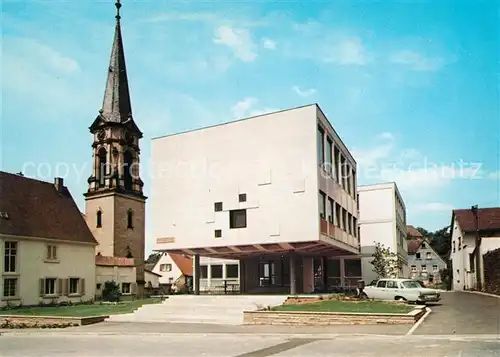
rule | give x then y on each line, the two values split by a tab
111	291
423	231
385	263
153	258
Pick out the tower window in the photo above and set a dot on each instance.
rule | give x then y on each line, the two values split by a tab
130	216
99	219
102	166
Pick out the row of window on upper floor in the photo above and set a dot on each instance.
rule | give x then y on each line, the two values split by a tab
11	253
335	164
337	215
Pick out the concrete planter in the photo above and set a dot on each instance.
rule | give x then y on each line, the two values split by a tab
306	318
30	321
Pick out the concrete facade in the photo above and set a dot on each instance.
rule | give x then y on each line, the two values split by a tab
124	276
382	219
36	271
273	191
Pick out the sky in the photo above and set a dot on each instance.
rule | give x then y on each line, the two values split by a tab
410	86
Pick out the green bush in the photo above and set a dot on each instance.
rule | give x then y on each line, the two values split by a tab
111	292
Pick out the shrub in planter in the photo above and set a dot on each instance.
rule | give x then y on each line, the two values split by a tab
111	292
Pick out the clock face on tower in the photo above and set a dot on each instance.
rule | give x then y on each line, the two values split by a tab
101	134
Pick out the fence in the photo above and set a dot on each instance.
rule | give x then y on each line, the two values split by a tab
491	261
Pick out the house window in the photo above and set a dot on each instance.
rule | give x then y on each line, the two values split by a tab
349	223
417	255
165	267
424	268
329	147
331	206
344	219
232	271
216	271
321	146
98	286
355	226
459	243
10	257
435	268
126	288
203	271
423	245
73	285
336	169
337	215
454	249
170	280
10	287
50	286
218	233
99	219
238	218
428	256
322	204
218	206
242	197
130	216
51	252
413	268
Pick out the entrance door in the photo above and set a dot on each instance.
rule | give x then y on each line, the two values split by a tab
267	273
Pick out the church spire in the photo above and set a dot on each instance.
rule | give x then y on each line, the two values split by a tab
116	106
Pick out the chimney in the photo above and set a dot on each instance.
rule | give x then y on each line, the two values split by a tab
59	183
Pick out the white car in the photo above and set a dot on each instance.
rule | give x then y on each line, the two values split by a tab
401	290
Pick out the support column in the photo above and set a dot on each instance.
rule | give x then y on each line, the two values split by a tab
308	274
293	277
325	273
243	285
342	272
196	274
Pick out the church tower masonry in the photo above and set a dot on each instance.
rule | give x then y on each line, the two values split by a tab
114	201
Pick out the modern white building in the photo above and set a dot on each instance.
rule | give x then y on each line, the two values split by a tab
463	244
276	192
382	219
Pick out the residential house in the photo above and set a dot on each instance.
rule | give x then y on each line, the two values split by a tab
152	278
425	264
46	249
382	219
120	270
276	192
175	270
463	244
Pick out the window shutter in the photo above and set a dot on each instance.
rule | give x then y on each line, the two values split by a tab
59	286
42	286
82	286
133	288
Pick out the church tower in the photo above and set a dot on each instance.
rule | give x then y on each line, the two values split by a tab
114	202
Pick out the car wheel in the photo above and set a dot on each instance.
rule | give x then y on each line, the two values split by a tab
363	296
399	298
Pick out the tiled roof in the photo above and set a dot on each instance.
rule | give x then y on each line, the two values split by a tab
488	219
413	245
102	260
184	263
149	266
413	232
34	208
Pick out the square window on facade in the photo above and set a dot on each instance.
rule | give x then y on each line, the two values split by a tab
10	257
126	288
50	286
232	271
242	197
218	233
203	272
218	206
417	255
10	287
73	285
216	271
238	218
51	252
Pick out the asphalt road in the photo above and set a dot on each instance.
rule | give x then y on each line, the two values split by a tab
243	345
462	313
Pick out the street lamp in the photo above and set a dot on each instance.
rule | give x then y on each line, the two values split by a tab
474	210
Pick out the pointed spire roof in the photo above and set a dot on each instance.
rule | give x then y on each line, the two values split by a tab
116	106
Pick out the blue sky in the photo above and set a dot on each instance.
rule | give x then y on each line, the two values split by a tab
410	86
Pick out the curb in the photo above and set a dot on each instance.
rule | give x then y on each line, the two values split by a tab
419	322
481	293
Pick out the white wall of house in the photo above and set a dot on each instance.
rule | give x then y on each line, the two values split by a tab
269	158
382	219
33	263
168	270
151	278
124	276
462	246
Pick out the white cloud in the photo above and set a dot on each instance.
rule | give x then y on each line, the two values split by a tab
247	108
303	93
347	51
416	61
372	156
238	40
268	43
434	207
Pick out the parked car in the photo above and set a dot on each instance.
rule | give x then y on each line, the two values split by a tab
401	290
